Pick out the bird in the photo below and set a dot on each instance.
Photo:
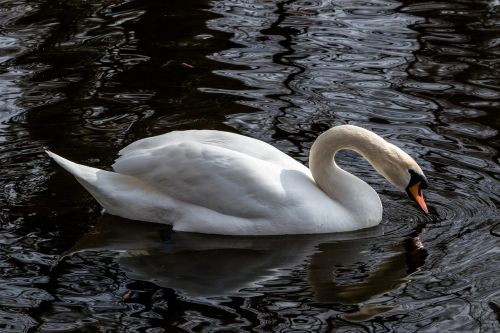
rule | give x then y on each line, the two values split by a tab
217	182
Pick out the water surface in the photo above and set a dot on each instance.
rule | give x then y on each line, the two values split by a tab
85	78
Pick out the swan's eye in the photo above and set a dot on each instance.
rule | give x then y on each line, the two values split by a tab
417	178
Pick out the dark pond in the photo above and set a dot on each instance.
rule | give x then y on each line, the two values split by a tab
85	78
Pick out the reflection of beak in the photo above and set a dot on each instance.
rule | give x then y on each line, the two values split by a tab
415	193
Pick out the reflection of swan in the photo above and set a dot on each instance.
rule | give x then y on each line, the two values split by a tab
224	183
221	265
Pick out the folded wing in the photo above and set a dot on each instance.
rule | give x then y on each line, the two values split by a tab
215	177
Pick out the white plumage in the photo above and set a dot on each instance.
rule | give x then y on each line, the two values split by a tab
223	183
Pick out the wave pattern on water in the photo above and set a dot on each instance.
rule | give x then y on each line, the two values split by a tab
86	78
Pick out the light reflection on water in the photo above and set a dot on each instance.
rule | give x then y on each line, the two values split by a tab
87	78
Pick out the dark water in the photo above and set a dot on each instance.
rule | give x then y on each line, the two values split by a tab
85	78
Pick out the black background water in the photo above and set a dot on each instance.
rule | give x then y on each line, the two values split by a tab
85	78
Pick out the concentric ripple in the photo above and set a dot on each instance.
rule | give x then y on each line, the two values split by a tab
85	78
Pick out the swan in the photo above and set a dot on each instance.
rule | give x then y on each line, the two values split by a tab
216	182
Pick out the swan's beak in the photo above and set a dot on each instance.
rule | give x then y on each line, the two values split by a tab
415	193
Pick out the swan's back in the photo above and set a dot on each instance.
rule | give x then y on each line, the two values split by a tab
230	141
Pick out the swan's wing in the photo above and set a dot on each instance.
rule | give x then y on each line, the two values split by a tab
231	141
223	180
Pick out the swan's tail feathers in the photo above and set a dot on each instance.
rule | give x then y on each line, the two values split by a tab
89	178
122	195
81	172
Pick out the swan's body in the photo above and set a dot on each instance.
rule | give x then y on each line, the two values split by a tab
223	183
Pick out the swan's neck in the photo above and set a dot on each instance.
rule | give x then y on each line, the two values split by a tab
351	192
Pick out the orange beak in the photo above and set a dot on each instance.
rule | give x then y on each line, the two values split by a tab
417	195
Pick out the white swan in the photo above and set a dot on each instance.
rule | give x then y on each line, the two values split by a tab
223	183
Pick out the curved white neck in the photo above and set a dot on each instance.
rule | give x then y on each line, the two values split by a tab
351	192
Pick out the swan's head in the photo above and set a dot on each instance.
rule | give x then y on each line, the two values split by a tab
403	172
414	188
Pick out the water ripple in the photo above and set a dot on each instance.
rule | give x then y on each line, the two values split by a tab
86	78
